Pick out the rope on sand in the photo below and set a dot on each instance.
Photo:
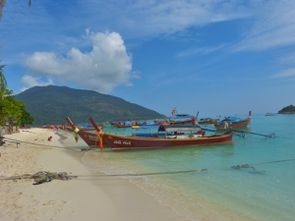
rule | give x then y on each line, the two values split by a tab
146	174
11	140
41	177
45	176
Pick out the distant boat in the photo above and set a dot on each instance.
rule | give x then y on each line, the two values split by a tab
127	124
120	142
233	123
176	119
270	114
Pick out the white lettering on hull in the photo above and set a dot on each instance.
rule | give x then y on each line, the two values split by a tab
122	142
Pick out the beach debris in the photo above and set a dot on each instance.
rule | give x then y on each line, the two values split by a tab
1	141
42	177
49	138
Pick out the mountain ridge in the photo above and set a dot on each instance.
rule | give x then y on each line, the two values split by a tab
51	104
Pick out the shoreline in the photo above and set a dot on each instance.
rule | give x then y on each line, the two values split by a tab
67	200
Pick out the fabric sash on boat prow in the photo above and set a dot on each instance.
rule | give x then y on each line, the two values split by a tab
74	127
100	133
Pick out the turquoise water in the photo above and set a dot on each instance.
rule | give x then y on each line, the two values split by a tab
266	193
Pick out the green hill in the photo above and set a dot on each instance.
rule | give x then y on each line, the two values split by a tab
51	104
287	110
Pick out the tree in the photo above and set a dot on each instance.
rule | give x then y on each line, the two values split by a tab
12	112
26	117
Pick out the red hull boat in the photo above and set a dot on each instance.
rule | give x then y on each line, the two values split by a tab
227	123
120	142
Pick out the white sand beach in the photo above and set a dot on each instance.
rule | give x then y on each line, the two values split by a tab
88	197
66	200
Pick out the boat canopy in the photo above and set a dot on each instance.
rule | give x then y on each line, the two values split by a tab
232	119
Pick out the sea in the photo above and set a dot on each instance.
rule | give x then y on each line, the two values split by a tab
251	179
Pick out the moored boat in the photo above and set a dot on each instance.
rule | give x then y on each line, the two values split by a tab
121	142
270	114
233	123
207	121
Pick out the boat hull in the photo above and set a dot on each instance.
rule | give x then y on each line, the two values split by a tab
118	142
224	125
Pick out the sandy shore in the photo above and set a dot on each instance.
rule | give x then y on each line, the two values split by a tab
77	199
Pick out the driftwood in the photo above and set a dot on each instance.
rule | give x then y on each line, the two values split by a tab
42	177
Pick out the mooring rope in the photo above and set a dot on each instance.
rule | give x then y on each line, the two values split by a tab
11	140
45	176
252	166
146	174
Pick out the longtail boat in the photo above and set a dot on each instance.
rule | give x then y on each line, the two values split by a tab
127	124
207	121
233	123
121	142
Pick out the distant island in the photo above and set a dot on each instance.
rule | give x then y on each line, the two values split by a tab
51	104
288	110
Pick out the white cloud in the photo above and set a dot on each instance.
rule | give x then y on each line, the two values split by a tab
106	66
287	59
285	74
201	51
146	18
30	81
274	26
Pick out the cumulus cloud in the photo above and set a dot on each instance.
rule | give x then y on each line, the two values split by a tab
30	81
273	26
104	67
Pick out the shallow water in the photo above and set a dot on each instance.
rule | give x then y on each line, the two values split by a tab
264	193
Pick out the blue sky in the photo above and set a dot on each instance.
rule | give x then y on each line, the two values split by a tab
212	56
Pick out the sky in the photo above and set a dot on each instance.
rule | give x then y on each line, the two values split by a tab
212	56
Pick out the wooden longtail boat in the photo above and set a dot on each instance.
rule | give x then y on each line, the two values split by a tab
207	121
126	124
233	123
174	120
120	142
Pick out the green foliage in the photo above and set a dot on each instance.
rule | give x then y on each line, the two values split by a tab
12	112
26	118
51	104
3	83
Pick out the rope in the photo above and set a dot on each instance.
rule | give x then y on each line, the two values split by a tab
274	161
272	135
146	174
254	170
45	176
11	140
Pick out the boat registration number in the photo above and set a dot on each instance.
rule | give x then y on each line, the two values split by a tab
122	142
